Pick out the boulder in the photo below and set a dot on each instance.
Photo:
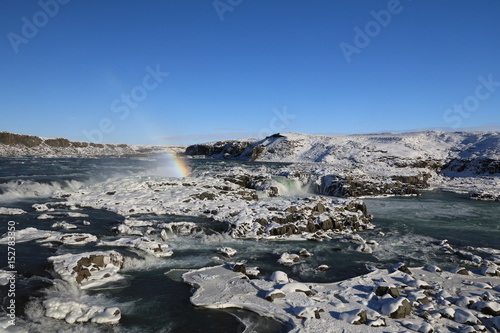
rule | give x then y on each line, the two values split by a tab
274	294
397	308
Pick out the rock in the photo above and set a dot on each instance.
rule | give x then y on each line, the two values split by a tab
364	248
239	268
490	270
320	208
419	284
397	308
460	270
305	253
252	271
296	287
309	312
273	191
400	267
204	196
463	316
323	268
226	251
355	317
379	322
274	294
288	259
464	301
487	307
88	270
432	268
381	290
422	328
448	313
279	277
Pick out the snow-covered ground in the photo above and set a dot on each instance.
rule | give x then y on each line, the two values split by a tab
373	164
394	300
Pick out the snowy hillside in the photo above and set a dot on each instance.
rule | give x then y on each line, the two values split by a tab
376	164
395	149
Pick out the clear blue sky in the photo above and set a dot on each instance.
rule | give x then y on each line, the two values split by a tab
236	69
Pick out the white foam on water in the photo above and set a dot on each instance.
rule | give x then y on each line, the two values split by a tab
68	293
21	189
398	246
290	187
143	264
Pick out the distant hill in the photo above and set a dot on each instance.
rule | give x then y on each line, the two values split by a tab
452	153
12	144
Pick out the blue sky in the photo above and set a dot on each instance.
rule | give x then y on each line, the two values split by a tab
179	72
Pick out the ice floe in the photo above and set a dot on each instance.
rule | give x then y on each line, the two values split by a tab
11	211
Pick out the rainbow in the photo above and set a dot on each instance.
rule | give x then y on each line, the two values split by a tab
177	166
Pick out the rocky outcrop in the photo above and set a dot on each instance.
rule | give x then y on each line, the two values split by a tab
350	186
12	139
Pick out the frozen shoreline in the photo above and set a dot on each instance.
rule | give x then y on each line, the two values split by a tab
419	299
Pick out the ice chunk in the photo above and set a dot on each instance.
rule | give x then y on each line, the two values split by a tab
11	211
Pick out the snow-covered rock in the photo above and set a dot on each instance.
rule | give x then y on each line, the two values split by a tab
89	269
75	312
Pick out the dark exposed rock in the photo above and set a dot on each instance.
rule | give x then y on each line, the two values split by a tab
362	318
349	187
204	196
402	311
59	142
274	295
400	267
77	144
273	191
12	139
486	308
257	152
239	268
382	290
82	265
32	145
